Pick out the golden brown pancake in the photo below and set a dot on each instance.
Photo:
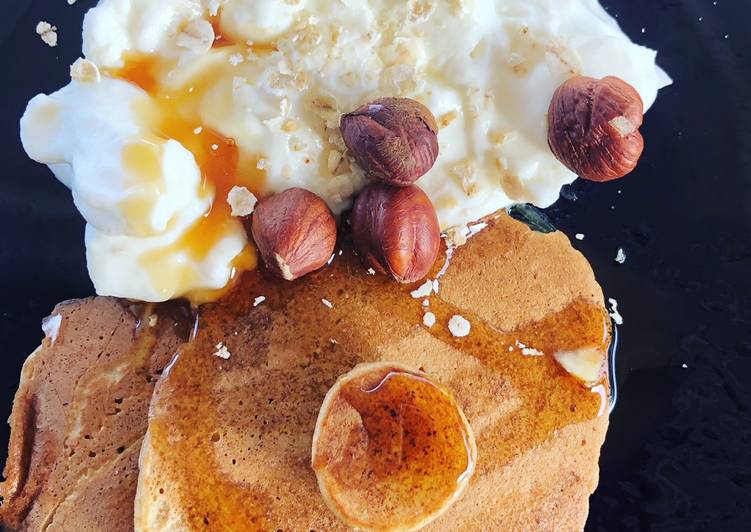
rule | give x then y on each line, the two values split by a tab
79	417
229	439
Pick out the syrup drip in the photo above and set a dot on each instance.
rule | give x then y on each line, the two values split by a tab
411	459
370	314
222	164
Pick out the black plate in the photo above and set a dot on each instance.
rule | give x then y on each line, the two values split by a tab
678	454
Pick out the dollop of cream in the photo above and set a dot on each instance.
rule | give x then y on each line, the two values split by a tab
139	193
276	82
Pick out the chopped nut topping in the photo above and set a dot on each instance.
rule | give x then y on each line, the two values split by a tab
424	291
242	201
614	313
620	257
222	351
459	326
445	120
457	236
429	319
85	71
48	33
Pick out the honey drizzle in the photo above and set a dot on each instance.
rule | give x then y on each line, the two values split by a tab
184	412
222	165
417	451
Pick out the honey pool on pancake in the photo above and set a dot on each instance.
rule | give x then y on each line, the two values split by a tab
187	414
411	449
184	425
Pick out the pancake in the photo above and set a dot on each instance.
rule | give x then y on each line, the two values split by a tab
79	417
229	439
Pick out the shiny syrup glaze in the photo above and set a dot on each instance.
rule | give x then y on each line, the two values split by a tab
176	116
183	426
186	412
407	459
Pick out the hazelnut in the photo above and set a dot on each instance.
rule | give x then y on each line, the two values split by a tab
396	231
593	127
393	140
295	232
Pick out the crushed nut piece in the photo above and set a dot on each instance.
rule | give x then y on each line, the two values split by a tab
222	351
620	257
48	33
429	319
424	291
85	71
445	120
459	326
242	201
617	318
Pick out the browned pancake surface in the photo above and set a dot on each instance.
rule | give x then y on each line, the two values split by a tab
229	441
79	417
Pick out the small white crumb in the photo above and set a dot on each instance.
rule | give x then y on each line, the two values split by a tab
371	271
215	147
153	320
617	318
511	349
436	286
684	366
236	59
580	236
459	326
333	341
71	2
428	319
529	351
198	131
476	228
331	259
242	201
424	291
257	301
426	302
620	257
47	32
51	326
222	351
44	27
327	303
456	236
84	71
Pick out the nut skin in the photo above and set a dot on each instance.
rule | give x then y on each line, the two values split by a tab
394	140
396	231
295	233
593	127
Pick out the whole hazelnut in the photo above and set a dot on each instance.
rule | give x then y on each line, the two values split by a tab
394	140
396	231
593	127
295	232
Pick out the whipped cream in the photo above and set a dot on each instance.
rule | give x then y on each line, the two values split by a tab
284	73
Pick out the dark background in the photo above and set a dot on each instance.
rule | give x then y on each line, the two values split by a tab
678	454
